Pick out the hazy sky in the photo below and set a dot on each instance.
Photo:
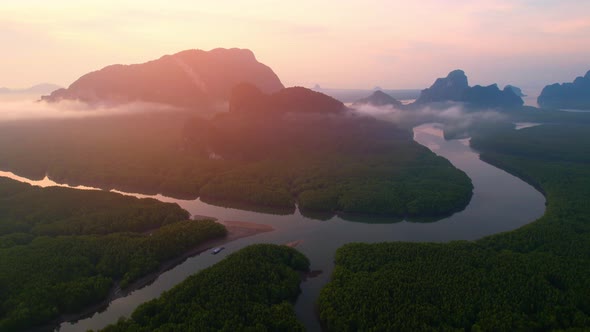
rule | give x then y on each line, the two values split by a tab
344	44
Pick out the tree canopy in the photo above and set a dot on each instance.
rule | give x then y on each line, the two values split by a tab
63	249
532	278
250	290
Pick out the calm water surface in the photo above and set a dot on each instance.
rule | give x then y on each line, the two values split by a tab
501	202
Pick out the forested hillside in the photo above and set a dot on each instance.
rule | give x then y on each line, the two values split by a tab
533	278
250	290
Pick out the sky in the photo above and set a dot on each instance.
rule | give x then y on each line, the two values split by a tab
336	44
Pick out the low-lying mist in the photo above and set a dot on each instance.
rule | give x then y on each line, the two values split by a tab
28	109
455	118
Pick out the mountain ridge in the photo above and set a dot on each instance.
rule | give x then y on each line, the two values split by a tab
40	88
574	95
378	98
455	88
186	79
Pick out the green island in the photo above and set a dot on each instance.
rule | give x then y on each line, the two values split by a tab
330	164
533	279
321	162
62	250
250	290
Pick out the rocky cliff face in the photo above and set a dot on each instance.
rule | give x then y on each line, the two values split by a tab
491	96
450	88
185	79
455	87
517	91
574	95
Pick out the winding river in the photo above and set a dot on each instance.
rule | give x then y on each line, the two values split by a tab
500	202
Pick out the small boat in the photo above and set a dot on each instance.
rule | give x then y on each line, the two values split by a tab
217	250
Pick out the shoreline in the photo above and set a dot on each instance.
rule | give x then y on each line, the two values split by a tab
235	230
130	190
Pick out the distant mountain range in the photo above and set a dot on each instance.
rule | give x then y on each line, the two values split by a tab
575	95
186	79
353	95
38	89
455	87
195	78
379	98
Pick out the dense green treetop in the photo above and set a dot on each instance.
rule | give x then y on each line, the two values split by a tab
533	278
328	163
64	249
250	290
62	211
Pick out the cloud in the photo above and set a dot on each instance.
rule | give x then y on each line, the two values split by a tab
567	26
18	110
454	117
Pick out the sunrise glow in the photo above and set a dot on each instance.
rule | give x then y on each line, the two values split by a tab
344	44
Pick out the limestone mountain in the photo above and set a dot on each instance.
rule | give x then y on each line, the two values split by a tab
455	88
517	91
491	96
575	95
379	98
186	79
450	88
